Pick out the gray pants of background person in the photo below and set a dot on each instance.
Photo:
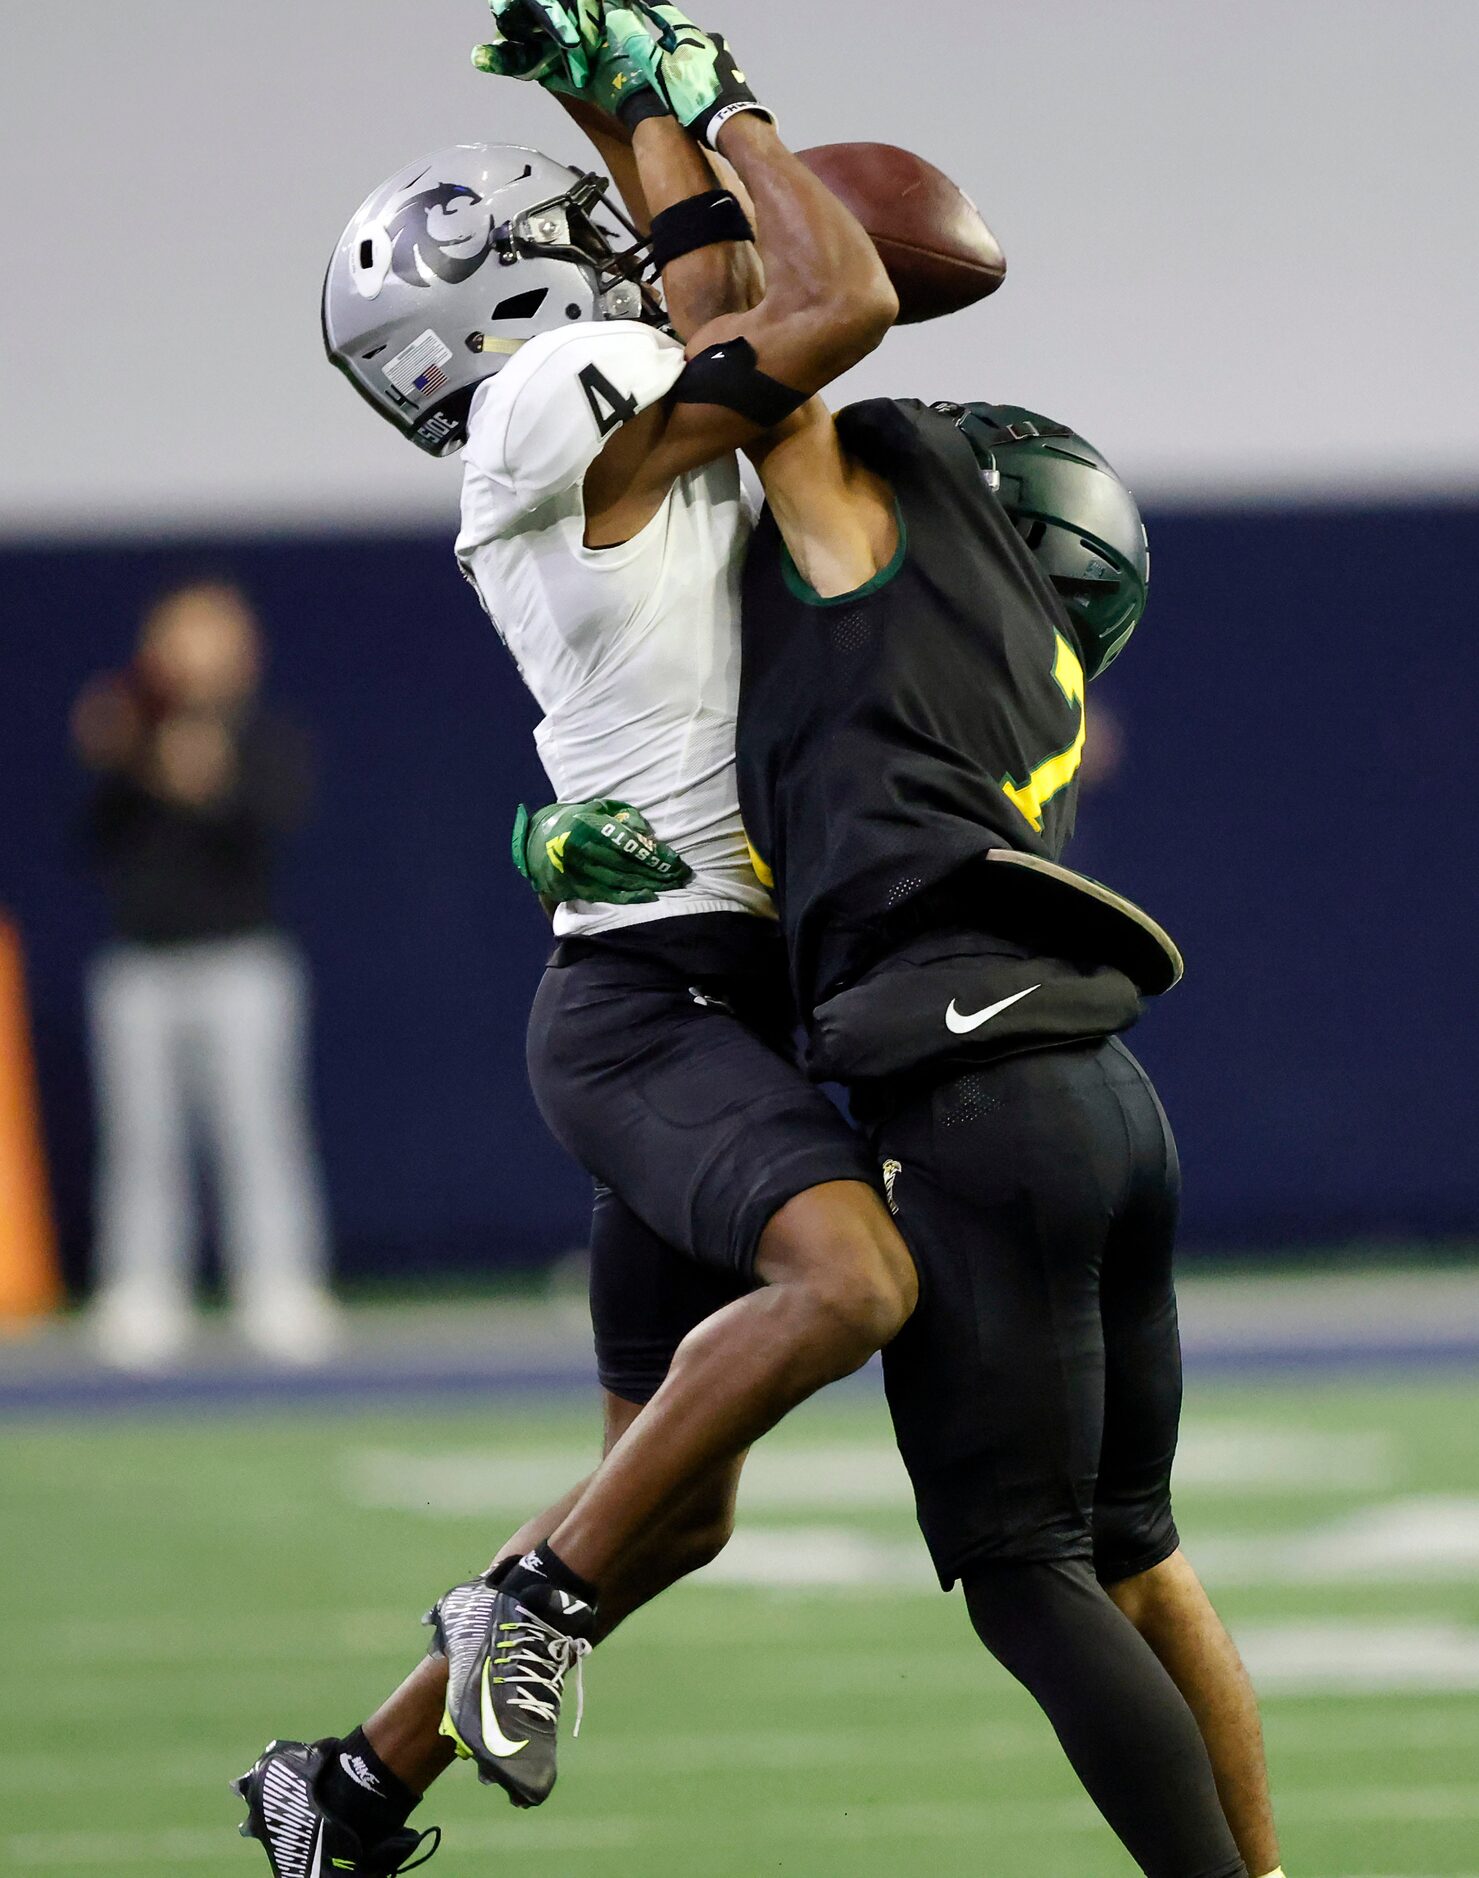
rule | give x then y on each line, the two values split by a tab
206	1039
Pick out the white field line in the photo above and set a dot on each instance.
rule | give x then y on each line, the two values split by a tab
1432	1537
1361	1657
826	1558
1228	1457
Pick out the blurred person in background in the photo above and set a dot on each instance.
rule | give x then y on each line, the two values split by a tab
199	1008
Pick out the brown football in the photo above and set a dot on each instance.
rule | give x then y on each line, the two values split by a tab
939	254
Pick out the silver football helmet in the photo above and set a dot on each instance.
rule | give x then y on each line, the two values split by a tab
448	268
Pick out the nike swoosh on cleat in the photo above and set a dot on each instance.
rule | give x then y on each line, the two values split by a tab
494	1739
957	1021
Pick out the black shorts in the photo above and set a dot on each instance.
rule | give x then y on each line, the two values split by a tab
1036	1392
661	1058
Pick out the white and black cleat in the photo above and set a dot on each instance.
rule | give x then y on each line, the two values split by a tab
302	1839
507	1659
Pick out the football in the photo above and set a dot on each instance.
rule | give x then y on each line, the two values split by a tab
939	253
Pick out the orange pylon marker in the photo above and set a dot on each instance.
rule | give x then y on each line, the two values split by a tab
30	1277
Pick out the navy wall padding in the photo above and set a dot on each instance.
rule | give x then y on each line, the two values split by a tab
1296	801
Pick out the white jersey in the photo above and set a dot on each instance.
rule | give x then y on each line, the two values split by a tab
631	652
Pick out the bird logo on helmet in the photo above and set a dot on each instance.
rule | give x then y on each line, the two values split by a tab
426	229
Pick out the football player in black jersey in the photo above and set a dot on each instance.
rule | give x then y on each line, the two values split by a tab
928	594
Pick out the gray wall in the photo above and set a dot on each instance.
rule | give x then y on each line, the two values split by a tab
1241	235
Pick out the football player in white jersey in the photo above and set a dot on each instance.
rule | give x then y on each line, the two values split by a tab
742	1255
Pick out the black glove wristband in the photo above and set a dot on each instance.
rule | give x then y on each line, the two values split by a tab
735	96
640	102
697	222
707	127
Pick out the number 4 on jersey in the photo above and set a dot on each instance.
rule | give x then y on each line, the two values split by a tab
610	407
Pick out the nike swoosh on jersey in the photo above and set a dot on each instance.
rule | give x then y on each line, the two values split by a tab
494	1739
957	1021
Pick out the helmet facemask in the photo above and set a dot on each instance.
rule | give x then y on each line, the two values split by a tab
565	229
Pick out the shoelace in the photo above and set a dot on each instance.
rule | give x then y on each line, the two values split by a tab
546	1655
434	1833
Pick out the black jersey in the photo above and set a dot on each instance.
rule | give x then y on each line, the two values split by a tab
890	737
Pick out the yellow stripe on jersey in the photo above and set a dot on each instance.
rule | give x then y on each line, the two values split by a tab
1055	772
762	872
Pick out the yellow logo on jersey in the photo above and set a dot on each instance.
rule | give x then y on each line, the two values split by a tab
1055	772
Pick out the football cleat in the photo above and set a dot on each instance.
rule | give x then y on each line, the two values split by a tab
302	1839
507	1659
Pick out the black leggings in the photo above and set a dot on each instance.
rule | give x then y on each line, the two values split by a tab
1036	1394
1036	1391
1122	1722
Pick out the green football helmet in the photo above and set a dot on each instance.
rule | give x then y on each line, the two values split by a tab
1075	514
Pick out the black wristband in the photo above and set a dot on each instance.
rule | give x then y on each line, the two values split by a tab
727	374
697	222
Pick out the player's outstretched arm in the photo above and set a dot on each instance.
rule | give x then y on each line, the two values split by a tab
683	187
827	304
565	47
562	47
827	300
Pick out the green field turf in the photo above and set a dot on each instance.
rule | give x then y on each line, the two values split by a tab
177	1591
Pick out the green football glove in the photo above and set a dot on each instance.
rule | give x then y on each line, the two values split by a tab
564	48
541	40
692	71
603	851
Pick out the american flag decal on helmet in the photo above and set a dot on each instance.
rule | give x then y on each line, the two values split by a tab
416	373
